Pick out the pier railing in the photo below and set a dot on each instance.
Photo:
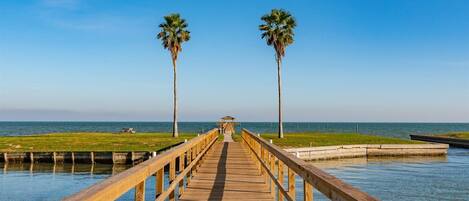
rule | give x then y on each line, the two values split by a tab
186	156
270	158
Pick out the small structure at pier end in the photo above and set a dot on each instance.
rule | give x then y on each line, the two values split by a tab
227	125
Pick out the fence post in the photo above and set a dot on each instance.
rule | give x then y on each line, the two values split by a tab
189	160
172	175
159	181
193	150
140	191
181	168
272	170
308	191
280	179
291	184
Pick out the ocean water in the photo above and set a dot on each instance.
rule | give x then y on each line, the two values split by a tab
401	130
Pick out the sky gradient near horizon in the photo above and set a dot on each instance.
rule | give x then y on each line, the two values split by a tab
374	61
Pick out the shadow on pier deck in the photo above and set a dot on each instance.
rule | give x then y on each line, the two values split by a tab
227	174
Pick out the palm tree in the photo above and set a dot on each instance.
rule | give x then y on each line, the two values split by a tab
173	33
278	32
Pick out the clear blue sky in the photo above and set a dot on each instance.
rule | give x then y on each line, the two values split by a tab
351	61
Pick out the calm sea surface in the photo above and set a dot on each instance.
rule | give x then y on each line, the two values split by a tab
401	130
406	178
409	178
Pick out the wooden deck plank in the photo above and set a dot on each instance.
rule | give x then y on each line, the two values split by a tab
227	173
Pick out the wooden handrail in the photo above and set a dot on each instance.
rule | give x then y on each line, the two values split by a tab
267	154
189	155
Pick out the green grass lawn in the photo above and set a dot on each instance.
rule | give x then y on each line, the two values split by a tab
460	135
90	142
316	139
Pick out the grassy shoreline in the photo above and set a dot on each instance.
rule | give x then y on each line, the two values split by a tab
90	142
96	141
316	139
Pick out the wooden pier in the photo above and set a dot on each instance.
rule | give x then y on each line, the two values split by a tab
229	174
205	168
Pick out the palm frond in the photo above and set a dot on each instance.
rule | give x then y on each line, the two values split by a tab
173	33
277	30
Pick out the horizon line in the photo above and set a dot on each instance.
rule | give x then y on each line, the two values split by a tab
147	121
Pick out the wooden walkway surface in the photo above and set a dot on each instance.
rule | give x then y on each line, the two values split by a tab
227	173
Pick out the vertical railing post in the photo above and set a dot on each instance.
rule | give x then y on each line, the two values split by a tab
280	179
266	161
181	168
291	184
140	191
189	160
199	150
308	191
172	175
196	153
159	181
259	151
261	170
272	170
253	151
193	157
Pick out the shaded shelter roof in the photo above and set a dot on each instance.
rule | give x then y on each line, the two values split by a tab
227	118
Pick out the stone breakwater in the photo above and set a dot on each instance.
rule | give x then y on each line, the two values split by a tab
104	157
368	150
76	157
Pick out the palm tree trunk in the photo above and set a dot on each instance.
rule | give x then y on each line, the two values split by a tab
175	106
279	82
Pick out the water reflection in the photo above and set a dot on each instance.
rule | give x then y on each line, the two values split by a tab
48	181
405	178
346	162
92	169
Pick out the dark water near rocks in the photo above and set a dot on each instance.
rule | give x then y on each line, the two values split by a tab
401	130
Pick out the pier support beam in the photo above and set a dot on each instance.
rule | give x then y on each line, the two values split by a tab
5	157
31	157
92	157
